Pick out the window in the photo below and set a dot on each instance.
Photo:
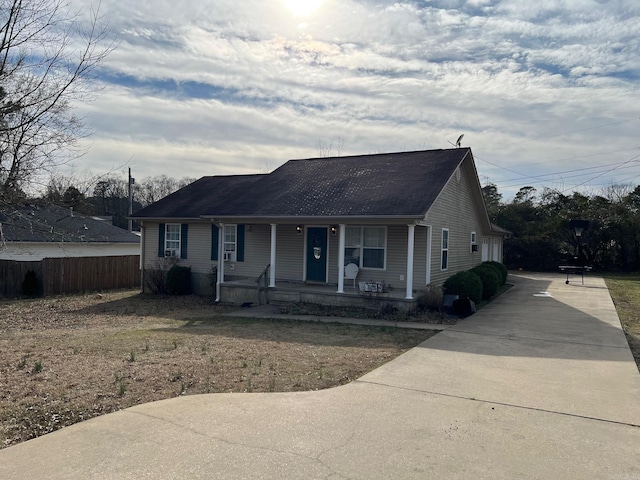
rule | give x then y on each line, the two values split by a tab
444	264
366	247
474	242
172	240
230	242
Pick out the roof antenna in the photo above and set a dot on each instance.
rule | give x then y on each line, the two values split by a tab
457	144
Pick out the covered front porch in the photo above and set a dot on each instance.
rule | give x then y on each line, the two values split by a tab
312	262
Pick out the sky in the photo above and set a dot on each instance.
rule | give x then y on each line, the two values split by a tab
545	92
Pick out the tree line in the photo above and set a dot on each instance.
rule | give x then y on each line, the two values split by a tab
109	195
542	237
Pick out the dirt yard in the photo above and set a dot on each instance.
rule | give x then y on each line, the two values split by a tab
67	359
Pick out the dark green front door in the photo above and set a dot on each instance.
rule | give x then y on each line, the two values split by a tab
317	254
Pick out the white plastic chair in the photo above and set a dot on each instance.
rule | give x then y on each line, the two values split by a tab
351	272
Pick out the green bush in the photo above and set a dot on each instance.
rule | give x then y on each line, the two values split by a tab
30	285
491	279
464	284
501	267
495	269
179	280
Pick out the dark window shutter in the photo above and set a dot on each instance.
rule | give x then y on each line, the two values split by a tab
184	233
161	240
240	239
214	242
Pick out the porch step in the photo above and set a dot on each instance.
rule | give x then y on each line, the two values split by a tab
283	297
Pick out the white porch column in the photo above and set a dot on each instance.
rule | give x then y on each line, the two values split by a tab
341	243
410	251
142	254
220	261
272	269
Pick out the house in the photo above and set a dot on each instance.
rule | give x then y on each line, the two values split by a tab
406	220
33	232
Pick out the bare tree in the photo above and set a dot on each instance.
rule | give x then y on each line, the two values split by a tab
152	189
41	75
331	148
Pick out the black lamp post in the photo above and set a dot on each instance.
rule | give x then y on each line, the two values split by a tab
579	226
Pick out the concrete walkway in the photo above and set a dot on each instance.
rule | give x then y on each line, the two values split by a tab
540	384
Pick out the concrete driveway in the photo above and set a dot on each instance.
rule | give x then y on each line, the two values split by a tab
540	384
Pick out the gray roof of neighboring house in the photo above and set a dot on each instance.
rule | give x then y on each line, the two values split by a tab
390	184
51	223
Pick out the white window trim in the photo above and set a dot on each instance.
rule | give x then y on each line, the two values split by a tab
474	241
175	251
444	249
232	255
361	246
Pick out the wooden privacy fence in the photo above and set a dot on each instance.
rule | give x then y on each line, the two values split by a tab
72	274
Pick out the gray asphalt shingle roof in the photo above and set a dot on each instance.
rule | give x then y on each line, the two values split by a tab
199	197
390	184
51	223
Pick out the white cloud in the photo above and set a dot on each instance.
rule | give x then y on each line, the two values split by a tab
222	87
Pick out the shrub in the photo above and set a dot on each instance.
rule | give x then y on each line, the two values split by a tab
179	280
156	278
501	267
464	284
430	300
491	279
30	285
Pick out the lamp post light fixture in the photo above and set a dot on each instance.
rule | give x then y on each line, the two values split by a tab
579	227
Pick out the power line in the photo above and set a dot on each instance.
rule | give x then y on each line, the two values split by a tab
600	174
543	177
617	166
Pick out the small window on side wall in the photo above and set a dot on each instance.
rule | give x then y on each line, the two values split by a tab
444	251
474	242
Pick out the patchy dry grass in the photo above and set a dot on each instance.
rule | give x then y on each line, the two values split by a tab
67	359
625	293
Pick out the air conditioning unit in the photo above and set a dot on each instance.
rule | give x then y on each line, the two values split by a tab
170	253
227	256
474	247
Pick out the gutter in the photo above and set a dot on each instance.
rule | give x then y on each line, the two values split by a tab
307	218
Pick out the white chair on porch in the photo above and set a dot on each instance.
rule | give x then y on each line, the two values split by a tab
351	272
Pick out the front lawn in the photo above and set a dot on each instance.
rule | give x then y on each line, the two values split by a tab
67	359
625	292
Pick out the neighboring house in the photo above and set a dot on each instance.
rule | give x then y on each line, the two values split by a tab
34	232
407	220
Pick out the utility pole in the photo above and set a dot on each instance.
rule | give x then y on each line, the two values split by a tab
131	182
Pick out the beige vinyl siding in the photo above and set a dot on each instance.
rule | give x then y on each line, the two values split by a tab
198	246
257	247
289	253
150	249
458	210
420	259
